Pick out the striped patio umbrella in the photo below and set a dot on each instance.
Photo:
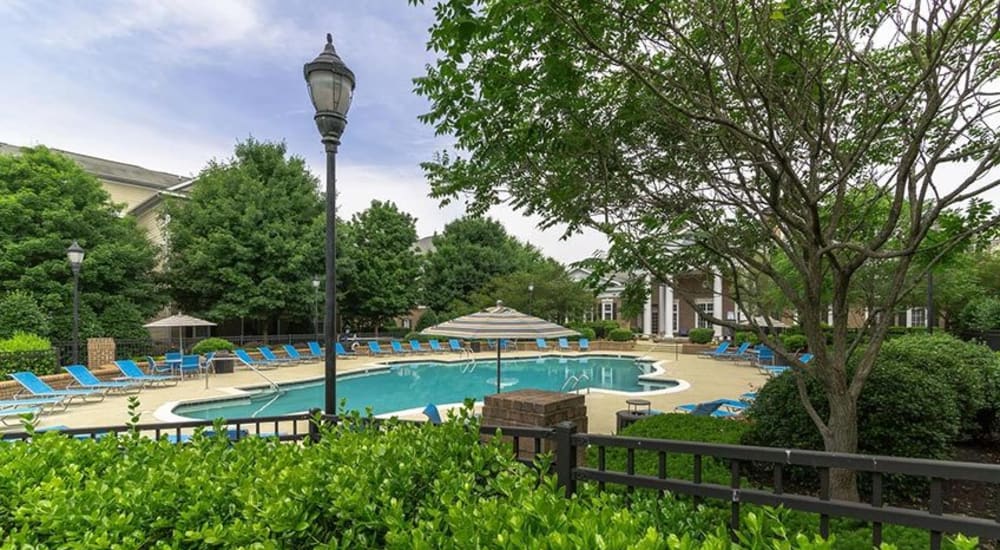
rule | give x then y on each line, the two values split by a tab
181	321
498	323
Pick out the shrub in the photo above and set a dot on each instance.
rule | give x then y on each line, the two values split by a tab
602	328
701	335
794	342
212	344
27	352
620	335
745	336
19	312
416	336
586	332
428	319
981	314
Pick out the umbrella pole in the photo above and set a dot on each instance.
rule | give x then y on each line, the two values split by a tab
498	365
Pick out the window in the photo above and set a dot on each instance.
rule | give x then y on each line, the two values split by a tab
654	319
406	323
674	316
705	308
918	317
607	310
901	319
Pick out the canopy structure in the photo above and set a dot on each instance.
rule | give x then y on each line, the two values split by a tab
498	323
179	320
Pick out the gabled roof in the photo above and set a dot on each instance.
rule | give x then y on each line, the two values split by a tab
425	245
118	172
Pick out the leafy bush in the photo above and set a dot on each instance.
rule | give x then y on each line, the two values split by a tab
27	352
701	335
123	319
19	312
586	332
602	328
682	427
416	336
981	314
745	336
428	319
212	344
794	342
621	335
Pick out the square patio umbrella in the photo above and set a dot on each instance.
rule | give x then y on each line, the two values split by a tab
179	320
498	323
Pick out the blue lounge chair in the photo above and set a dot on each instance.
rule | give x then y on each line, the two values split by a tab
711	408
455	345
83	378
245	358
341	352
292	353
432	413
740	353
749	396
37	387
397	347
270	357
564	344
11	417
541	344
775	371
584	344
417	348
43	402
764	355
435	346
717	352
374	348
132	373
316	351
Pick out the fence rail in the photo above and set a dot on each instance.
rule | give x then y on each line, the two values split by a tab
569	470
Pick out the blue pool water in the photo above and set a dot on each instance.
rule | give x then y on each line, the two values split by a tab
412	385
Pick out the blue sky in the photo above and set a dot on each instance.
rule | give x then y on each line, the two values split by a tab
170	85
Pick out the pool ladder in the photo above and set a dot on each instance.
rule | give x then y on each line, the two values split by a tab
470	366
278	392
573	383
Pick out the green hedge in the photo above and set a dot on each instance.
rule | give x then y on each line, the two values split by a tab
794	342
701	335
212	344
400	486
621	335
745	336
27	352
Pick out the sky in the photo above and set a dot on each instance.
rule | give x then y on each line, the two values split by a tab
171	85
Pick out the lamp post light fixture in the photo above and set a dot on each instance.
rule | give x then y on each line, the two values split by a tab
331	87
531	298
75	255
315	283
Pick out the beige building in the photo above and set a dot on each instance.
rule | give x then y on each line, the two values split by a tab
139	189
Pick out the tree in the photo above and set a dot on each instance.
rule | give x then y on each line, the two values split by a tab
717	135
385	266
248	241
19	312
554	295
467	254
46	202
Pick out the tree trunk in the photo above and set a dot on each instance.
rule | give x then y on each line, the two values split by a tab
842	437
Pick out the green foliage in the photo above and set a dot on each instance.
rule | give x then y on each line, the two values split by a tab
212	344
428	319
385	270
27	352
416	336
19	312
745	336
249	239
468	254
586	332
46	202
555	296
701	335
981	314
621	335
794	342
600	328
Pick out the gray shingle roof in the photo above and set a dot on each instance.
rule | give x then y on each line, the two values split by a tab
113	171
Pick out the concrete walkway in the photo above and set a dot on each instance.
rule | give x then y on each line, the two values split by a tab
708	380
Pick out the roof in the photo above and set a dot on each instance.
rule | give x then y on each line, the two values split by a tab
425	245
117	172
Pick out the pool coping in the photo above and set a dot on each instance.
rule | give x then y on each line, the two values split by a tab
165	412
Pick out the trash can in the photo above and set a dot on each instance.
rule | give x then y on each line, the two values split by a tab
476	346
223	364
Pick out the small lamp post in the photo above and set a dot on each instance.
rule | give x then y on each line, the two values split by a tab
531	298
315	283
75	255
331	87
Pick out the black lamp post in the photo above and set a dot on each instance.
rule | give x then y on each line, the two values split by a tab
315	283
331	85
531	298
75	255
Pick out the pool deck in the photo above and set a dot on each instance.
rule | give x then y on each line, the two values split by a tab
708	379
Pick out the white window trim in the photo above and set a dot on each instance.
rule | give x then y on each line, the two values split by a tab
698	321
607	310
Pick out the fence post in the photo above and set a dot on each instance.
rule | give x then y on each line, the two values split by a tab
566	456
315	417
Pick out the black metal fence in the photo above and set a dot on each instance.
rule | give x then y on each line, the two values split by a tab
571	471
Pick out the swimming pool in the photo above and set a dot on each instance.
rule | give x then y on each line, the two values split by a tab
403	386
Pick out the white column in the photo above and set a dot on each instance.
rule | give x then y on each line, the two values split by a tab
909	317
668	311
647	313
717	303
829	315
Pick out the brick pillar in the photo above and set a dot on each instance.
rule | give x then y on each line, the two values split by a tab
100	352
535	408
